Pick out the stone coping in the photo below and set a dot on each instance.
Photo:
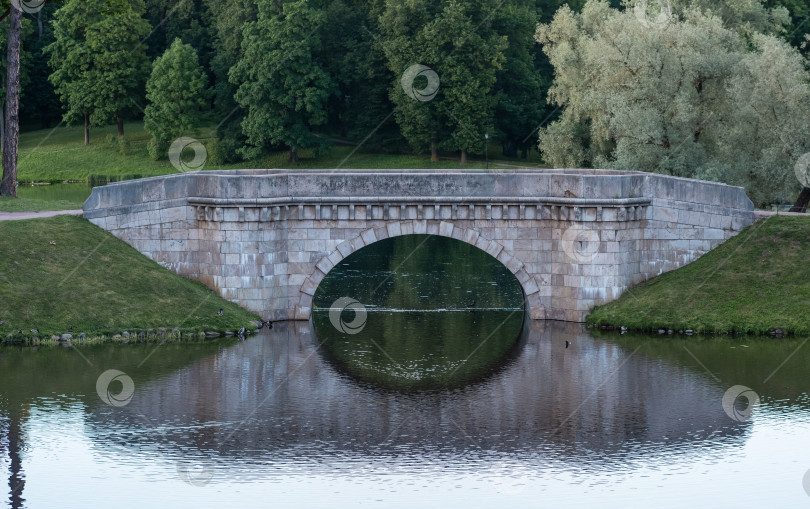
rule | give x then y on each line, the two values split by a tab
296	200
563	187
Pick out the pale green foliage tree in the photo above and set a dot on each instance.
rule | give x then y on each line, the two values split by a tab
177	96
670	99
770	127
744	16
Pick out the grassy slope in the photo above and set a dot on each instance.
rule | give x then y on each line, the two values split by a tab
755	282
59	154
96	284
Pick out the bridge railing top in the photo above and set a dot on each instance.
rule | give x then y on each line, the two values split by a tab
452	185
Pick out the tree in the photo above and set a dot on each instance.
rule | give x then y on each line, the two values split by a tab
38	100
769	132
99	61
458	47
188	20
676	98
177	95
362	108
522	83
283	86
11	133
799	27
227	19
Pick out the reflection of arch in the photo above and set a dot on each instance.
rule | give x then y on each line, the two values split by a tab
423	227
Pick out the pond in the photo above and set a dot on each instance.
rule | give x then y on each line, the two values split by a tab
448	400
53	192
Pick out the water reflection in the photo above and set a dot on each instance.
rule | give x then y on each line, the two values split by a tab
237	422
419	312
69	192
264	399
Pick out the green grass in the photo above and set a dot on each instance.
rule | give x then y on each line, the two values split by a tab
55	155
756	282
64	272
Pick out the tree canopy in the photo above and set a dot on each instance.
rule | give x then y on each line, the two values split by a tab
692	97
283	83
714	89
98	59
177	94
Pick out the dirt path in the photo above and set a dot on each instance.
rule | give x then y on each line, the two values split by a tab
761	214
10	216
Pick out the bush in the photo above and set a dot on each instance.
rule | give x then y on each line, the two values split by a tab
223	151
158	149
124	145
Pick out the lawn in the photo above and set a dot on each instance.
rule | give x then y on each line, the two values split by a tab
756	282
65	273
56	155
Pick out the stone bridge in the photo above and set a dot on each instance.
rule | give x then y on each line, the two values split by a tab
573	238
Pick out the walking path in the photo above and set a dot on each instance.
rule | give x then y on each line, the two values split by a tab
760	214
11	216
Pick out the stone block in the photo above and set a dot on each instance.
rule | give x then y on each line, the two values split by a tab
369	237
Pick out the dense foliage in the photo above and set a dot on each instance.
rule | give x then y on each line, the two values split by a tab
718	90
696	95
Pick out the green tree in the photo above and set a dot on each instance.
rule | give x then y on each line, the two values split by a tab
99	61
177	96
458	43
283	86
522	83
189	20
227	19
362	109
39	104
671	98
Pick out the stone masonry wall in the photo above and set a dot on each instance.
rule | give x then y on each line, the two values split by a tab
573	238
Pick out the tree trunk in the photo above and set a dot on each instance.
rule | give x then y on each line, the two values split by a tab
801	201
8	186
293	154
2	127
434	150
463	156
86	129
120	125
509	149
16	477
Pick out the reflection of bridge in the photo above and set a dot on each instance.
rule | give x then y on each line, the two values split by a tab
573	238
549	402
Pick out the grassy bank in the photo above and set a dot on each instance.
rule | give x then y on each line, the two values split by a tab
55	155
64	273
756	282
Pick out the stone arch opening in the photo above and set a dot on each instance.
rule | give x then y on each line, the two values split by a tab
529	285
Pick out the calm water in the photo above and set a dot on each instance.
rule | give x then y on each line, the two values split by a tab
70	192
306	415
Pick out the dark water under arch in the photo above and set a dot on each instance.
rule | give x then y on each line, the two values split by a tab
435	313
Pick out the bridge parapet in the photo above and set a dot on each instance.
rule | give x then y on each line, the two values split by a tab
573	238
